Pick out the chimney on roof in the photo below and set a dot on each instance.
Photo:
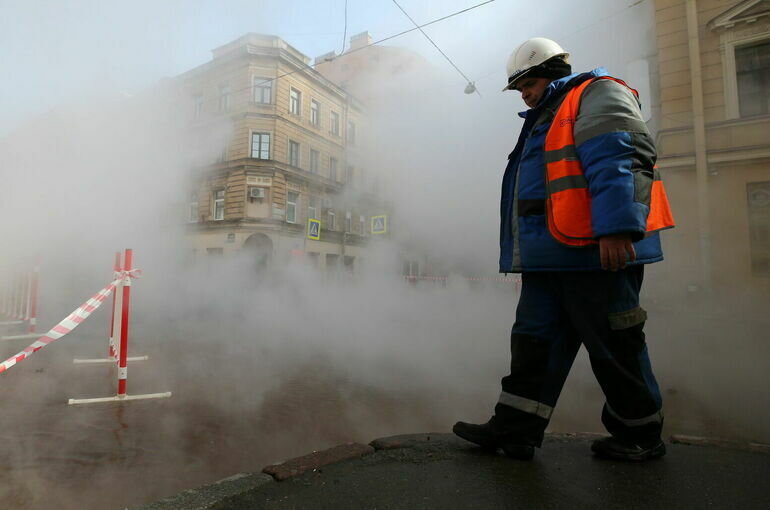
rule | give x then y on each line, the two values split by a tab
360	40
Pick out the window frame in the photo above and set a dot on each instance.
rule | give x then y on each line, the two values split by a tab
224	98
291	206
312	205
334	123
315	162
269	142
732	40
218	204
257	84
295	104
736	49
315	113
293	156
331	219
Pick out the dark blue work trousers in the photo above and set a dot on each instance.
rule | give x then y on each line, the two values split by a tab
559	311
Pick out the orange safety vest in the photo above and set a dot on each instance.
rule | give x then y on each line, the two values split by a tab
568	201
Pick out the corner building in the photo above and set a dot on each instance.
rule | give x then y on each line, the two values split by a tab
273	143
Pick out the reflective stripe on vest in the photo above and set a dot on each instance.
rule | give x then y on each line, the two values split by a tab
568	203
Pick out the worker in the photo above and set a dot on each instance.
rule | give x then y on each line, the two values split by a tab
581	207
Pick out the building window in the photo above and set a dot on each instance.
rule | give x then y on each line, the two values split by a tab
224	98
315	158
260	145
293	153
315	113
198	105
759	226
348	174
312	208
263	90
291	206
330	219
335	123
219	204
192	209
752	66
333	169
295	101
351	133
348	222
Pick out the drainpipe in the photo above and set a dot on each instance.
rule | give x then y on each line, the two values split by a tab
699	132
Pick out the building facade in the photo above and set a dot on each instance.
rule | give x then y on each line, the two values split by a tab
275	144
714	140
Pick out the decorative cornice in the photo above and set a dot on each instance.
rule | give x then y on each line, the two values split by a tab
744	12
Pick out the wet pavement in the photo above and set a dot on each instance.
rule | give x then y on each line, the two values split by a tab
441	471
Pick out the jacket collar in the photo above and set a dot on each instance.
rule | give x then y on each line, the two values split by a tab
562	85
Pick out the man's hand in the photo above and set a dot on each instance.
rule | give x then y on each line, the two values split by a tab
613	250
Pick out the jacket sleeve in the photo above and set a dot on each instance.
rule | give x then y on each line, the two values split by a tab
617	154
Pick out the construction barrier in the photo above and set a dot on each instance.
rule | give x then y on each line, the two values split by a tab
18	302
120	288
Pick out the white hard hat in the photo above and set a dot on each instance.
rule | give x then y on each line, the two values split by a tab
531	53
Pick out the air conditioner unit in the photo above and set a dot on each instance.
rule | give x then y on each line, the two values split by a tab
256	192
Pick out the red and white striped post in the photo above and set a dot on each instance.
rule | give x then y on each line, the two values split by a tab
119	325
113	348
124	313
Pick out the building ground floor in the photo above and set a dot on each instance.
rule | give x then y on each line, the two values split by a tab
275	246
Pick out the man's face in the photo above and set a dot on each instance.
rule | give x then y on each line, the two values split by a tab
531	89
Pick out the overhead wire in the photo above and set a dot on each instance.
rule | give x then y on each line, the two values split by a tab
353	50
436	46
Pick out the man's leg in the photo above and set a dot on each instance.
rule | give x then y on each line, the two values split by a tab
604	308
543	349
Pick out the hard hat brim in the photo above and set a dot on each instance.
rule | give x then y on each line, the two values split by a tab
513	79
521	74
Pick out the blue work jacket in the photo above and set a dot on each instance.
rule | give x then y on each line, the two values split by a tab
617	153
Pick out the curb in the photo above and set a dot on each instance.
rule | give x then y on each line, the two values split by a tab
722	443
203	498
317	460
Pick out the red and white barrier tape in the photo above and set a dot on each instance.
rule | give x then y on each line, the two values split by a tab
72	321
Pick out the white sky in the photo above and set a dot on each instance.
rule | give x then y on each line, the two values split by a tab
55	52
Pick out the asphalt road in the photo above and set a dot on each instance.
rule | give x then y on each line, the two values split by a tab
446	472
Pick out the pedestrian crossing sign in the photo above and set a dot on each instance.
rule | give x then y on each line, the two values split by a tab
314	229
379	224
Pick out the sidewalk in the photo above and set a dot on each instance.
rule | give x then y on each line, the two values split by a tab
438	471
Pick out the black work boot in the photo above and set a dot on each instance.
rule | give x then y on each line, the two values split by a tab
617	449
490	437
